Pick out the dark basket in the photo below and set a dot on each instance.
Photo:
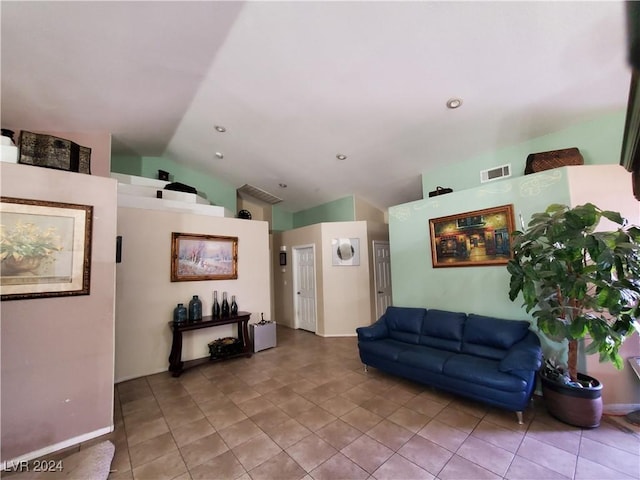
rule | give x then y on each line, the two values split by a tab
223	347
53	152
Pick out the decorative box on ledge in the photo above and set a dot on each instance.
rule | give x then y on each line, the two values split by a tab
223	347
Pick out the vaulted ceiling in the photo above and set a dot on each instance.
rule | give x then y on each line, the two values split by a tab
296	83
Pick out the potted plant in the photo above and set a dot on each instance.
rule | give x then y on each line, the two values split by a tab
580	284
25	247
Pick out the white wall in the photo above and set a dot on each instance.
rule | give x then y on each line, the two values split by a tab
145	296
609	187
57	353
347	292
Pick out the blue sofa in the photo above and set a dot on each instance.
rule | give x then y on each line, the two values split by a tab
483	358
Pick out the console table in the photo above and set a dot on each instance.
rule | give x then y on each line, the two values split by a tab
177	366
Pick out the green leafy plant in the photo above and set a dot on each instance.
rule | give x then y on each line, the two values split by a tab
25	240
578	281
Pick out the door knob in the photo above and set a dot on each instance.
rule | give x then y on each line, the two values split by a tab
298	293
380	292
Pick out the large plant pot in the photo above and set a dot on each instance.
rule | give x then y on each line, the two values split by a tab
581	407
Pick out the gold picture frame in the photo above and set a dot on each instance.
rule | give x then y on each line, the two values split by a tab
203	257
477	238
45	249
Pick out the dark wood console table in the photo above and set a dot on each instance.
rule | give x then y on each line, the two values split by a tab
177	366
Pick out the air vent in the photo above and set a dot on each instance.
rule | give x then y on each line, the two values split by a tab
258	194
495	173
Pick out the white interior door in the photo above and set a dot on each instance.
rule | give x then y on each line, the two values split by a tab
382	276
304	284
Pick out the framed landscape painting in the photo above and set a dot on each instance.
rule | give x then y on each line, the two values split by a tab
481	237
45	248
203	257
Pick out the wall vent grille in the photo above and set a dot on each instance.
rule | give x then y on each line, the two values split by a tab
491	174
258	194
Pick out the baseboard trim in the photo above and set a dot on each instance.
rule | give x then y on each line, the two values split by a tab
11	464
337	335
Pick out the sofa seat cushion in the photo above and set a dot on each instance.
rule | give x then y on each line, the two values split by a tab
387	348
482	371
426	358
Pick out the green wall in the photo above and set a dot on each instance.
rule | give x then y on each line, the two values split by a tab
127	165
341	210
281	220
599	141
214	190
482	290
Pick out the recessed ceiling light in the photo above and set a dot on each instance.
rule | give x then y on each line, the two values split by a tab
219	155
341	156
220	129
282	185
454	103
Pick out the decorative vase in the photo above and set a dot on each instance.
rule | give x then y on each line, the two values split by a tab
180	314
195	309
216	306
580	407
234	306
225	305
11	266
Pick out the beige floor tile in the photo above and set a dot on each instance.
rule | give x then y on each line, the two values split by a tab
426	454
550	457
444	435
281	467
357	395
339	434
390	434
270	417
588	470
145	431
280	395
338	405
614	458
465	422
268	386
225	416
287	433
409	419
494	459
498	436
240	396
222	467
425	405
523	469
318	394
240	432
315	418
166	467
362	419
181	416
149	450
556	436
398	467
256	451
255	405
296	406
367	453
190	432
611	433
338	467
310	452
141	404
460	468
380	406
203	449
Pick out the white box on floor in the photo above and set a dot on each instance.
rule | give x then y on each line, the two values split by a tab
263	335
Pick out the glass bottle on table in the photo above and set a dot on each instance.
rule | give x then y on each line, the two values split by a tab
225	305
234	306
216	306
195	309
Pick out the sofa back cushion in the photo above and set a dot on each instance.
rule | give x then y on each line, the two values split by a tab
443	330
491	337
404	323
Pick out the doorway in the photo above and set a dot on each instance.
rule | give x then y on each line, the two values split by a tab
304	287
382	276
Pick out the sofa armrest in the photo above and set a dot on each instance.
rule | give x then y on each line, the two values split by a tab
375	331
524	355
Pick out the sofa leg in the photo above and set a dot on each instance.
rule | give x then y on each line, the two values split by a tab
519	415
366	368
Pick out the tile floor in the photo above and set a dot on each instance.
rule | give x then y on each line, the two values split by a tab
307	410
